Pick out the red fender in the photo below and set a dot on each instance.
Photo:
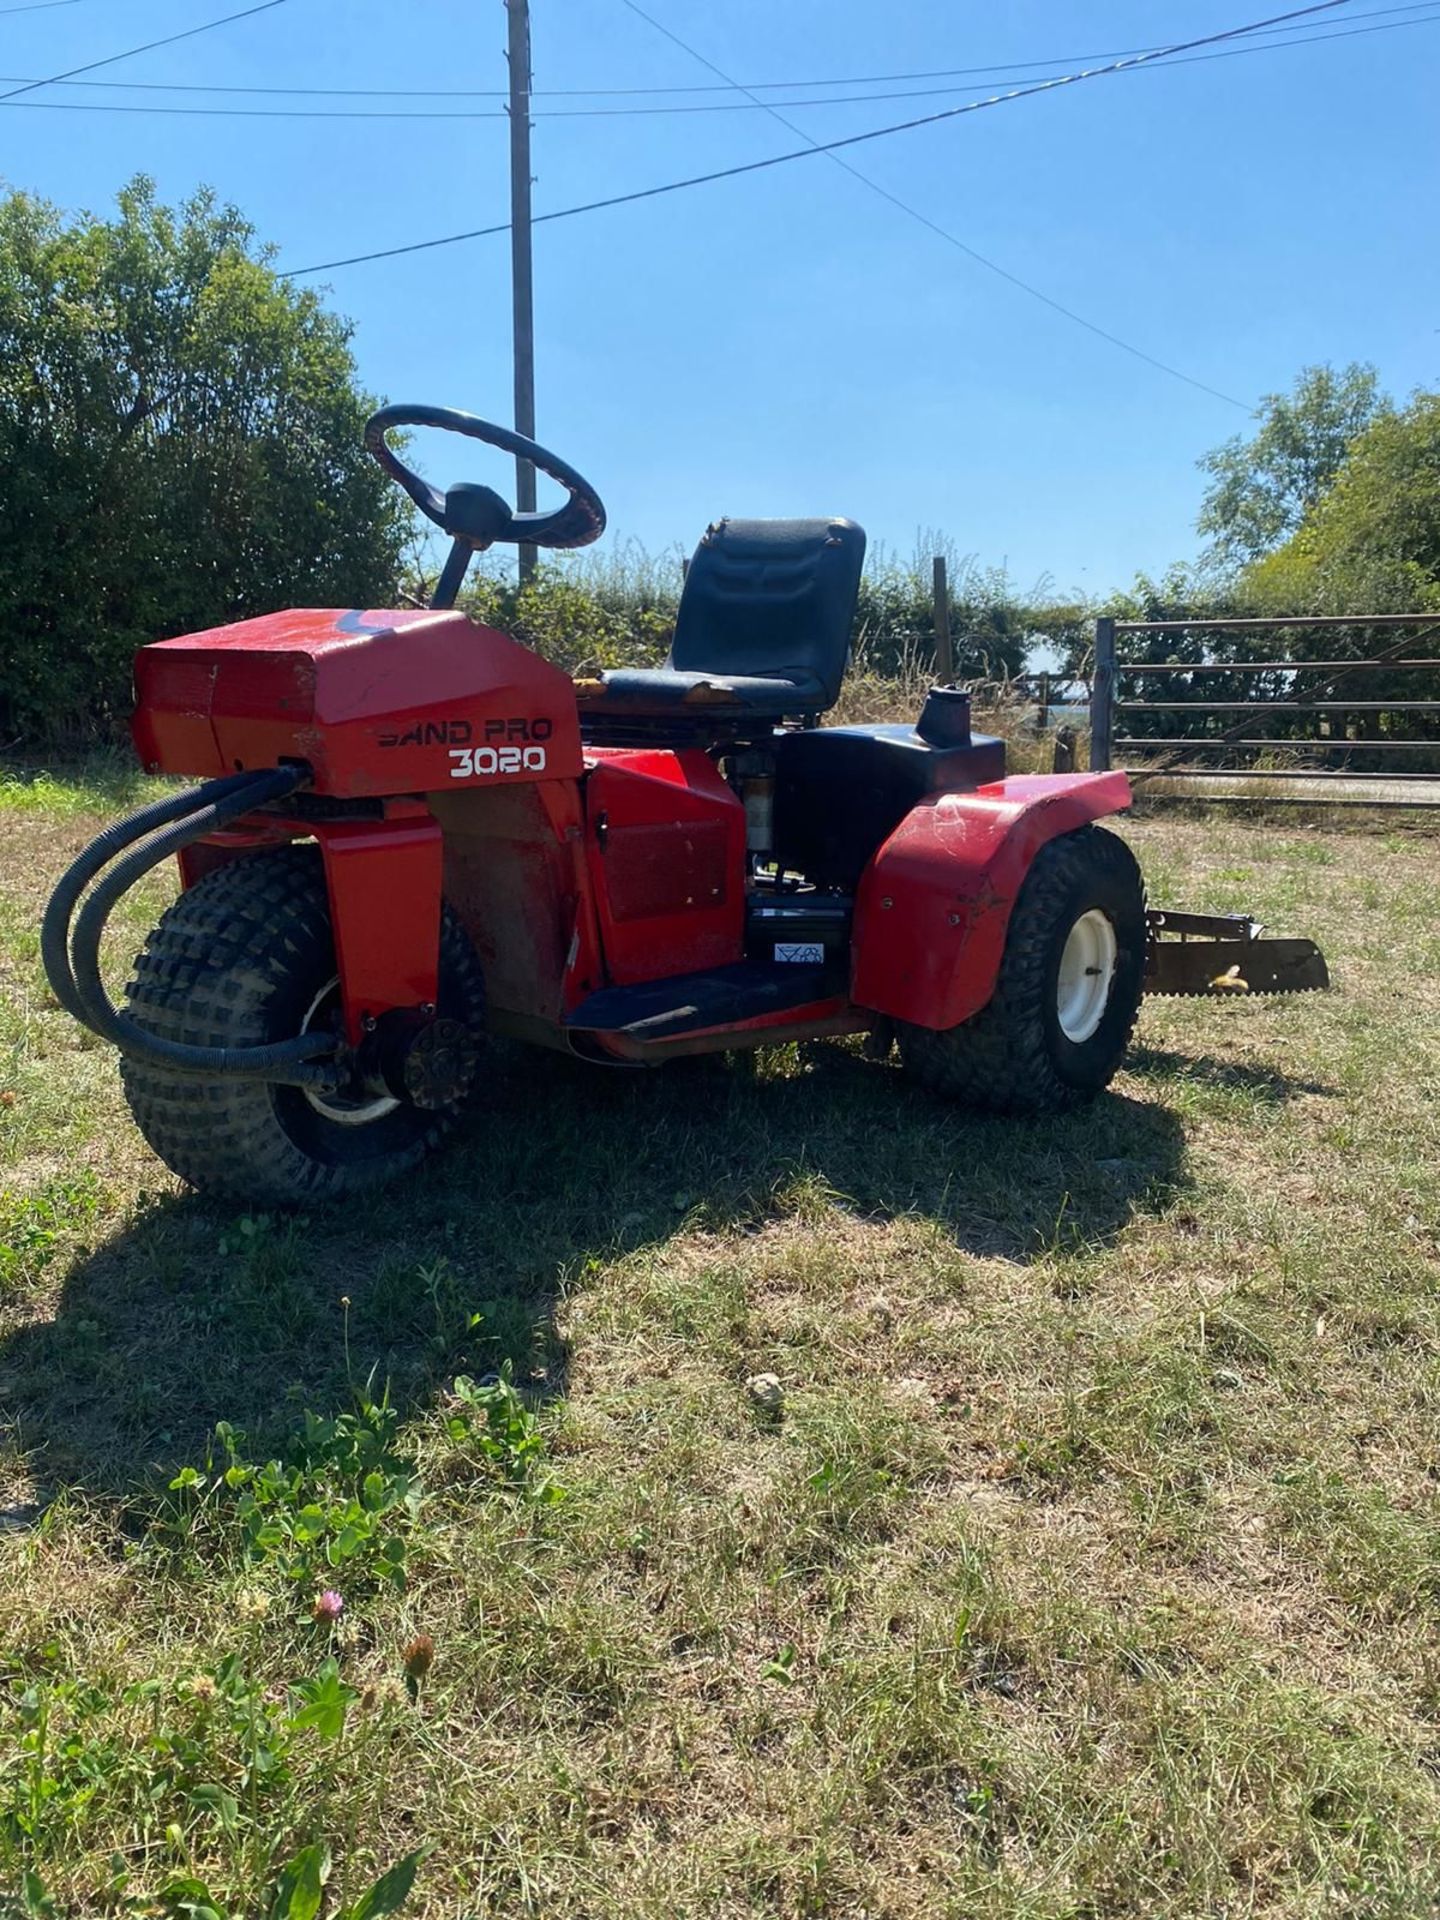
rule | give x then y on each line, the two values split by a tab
934	903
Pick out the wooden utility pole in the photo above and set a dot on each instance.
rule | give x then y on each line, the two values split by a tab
521	285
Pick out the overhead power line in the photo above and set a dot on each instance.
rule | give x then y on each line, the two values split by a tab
39	6
948	73
804	153
944	233
110	59
1277	34
751	104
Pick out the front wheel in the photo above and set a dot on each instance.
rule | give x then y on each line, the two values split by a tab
244	957
1068	992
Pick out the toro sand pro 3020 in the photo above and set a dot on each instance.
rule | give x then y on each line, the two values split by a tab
414	833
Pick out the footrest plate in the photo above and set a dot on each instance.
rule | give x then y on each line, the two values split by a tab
693	1002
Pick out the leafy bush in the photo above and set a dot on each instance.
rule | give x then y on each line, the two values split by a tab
180	445
567	623
990	623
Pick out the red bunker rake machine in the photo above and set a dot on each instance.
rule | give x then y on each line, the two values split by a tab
413	832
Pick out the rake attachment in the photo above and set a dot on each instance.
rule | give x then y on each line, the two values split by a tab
1217	955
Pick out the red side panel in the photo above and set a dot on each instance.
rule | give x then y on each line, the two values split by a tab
665	838
383	878
376	703
934	904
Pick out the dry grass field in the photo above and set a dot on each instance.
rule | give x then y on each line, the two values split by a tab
1090	1568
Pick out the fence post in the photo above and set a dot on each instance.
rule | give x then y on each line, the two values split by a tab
944	652
1102	695
1042	718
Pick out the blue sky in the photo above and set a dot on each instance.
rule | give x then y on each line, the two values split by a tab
788	342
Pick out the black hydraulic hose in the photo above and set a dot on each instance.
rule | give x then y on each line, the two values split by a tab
288	1061
55	928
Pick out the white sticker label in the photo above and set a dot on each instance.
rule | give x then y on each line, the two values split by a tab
472	763
803	953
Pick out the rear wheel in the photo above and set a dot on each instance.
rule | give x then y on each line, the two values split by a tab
244	957
1068	992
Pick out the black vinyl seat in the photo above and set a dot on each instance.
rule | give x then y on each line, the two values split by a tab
763	631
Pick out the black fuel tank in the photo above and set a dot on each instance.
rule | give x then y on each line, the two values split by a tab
840	791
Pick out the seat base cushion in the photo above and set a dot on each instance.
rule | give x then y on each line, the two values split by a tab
659	693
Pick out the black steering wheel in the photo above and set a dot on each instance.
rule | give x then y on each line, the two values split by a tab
474	516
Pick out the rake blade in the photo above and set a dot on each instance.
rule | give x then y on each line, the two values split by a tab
1222	969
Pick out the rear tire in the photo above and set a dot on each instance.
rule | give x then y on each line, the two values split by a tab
1065	1003
243	958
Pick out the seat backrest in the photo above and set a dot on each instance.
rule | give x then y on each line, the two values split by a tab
771	599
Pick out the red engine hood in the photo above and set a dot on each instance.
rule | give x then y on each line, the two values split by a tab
374	702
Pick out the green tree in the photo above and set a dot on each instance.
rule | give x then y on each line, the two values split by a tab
1372	543
180	445
1261	488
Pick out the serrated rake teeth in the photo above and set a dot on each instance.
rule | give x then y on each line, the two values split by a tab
1233	970
1223	958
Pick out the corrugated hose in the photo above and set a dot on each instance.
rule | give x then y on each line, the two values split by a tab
70	947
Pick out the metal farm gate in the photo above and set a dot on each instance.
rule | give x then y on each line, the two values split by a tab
1351	717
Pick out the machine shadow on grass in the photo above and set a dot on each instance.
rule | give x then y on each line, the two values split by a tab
196	1313
1266	1084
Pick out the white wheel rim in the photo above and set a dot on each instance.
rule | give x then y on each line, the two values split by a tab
345	1113
1087	974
